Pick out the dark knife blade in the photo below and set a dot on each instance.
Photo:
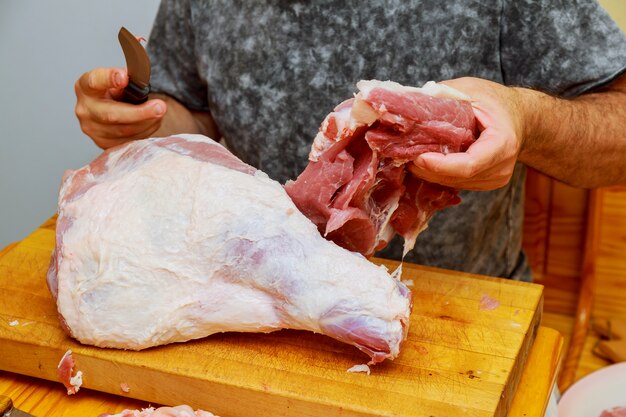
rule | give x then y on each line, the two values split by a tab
7	409
138	65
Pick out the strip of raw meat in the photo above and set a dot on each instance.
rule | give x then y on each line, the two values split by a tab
178	411
356	188
65	369
614	412
170	239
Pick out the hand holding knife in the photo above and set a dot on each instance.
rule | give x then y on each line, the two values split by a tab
112	104
138	65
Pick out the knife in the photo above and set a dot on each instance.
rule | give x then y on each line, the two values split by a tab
7	409
138	65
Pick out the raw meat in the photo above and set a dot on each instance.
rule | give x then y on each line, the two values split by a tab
178	411
171	239
356	188
65	369
614	412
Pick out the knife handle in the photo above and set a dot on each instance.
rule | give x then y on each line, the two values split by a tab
6	406
134	94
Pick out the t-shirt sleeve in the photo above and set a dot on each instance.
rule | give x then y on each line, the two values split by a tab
172	52
565	47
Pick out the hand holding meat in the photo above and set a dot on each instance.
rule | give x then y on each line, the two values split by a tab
489	162
356	188
110	122
533	127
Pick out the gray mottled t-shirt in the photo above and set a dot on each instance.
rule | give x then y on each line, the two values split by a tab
270	70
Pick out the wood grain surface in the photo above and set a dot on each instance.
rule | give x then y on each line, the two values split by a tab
607	243
554	238
610	272
610	291
545	358
460	358
43	398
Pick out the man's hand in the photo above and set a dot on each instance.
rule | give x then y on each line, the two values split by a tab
579	141
110	122
489	162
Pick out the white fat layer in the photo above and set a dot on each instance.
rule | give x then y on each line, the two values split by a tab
360	368
77	380
397	274
321	142
178	411
176	249
431	88
361	113
66	354
409	241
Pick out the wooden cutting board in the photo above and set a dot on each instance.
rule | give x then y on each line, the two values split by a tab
468	341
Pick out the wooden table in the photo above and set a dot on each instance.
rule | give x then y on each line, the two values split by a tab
475	335
48	399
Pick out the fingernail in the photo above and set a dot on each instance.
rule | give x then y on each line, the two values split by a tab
158	109
118	79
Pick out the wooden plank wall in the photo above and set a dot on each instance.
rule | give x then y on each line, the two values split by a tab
610	284
554	235
610	272
554	238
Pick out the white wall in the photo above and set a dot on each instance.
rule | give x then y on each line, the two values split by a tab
44	47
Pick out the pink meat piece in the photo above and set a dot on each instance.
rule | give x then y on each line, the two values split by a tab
357	188
614	412
181	230
178	411
65	371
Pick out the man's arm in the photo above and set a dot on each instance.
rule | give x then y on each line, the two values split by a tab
179	119
580	141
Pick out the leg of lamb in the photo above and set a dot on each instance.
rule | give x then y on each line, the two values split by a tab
171	239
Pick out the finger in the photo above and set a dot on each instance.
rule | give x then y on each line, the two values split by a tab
461	165
494	177
457	83
478	185
105	144
486	184
124	132
500	170
100	80
483	185
136	131
106	136
111	112
487	151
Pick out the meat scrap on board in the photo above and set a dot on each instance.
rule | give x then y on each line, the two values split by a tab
178	411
